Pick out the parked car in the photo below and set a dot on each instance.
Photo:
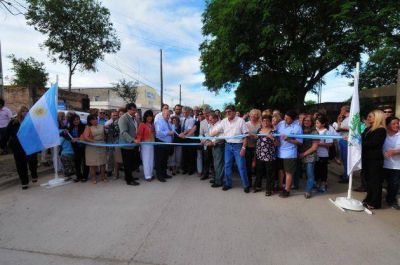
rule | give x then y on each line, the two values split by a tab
82	115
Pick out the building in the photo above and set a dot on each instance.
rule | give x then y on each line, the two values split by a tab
107	99
16	97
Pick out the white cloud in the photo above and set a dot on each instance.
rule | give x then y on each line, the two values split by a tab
144	27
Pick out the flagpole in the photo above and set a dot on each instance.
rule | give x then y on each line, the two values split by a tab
353	151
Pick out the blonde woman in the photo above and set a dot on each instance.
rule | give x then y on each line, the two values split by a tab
276	118
254	124
372	158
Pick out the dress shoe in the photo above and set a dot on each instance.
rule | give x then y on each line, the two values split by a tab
24	187
216	185
168	176
212	181
161	179
247	189
132	183
203	178
225	188
184	172
190	173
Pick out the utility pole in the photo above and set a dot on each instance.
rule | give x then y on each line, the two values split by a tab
180	94
161	81
1	75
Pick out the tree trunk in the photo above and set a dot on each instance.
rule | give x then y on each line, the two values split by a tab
300	95
69	81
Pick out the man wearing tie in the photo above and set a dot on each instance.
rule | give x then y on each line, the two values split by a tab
164	134
130	155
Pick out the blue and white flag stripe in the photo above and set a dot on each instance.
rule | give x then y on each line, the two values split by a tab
39	129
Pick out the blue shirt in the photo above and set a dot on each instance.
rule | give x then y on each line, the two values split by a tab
163	128
66	147
286	149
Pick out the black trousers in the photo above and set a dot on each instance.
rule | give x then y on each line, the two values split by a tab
267	169
373	173
250	153
161	153
22	162
321	169
131	162
207	161
81	170
189	154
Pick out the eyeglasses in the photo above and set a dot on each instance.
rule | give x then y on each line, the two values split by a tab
388	111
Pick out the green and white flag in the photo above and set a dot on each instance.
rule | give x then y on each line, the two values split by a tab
354	140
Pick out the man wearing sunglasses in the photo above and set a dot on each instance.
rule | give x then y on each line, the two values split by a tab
388	112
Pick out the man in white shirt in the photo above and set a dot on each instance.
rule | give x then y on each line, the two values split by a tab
235	148
205	126
5	117
188	152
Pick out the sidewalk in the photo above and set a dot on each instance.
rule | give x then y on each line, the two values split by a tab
9	175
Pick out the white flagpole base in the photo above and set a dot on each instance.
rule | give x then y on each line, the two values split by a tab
55	183
334	203
349	204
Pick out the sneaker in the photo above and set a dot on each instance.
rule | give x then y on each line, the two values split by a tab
322	189
395	206
284	194
268	193
307	195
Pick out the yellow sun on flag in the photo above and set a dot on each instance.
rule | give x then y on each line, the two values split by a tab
39	111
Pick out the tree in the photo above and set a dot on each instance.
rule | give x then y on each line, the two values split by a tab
127	90
275	51
381	67
29	73
79	31
309	102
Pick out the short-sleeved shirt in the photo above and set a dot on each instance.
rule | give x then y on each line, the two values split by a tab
323	151
392	142
345	125
237	126
5	117
286	149
265	148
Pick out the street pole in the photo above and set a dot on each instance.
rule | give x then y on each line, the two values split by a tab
1	75
180	94
161	80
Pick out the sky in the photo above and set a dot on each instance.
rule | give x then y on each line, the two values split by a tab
144	27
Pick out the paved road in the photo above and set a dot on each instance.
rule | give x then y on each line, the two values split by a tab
184	221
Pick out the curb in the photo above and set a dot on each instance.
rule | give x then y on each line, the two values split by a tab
13	181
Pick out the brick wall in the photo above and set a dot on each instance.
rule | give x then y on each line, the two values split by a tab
15	97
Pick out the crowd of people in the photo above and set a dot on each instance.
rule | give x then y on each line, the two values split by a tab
168	143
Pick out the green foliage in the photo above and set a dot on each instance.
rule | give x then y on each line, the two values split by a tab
79	31
127	90
275	51
381	67
309	102
28	73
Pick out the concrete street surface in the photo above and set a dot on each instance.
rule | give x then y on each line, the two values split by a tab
184	221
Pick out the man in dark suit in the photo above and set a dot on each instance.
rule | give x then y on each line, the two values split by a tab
128	125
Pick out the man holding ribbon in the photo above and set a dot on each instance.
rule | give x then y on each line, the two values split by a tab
233	127
130	155
164	134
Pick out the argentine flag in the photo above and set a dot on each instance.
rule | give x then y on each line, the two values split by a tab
39	129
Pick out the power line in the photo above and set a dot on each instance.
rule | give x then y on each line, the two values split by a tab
9	6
